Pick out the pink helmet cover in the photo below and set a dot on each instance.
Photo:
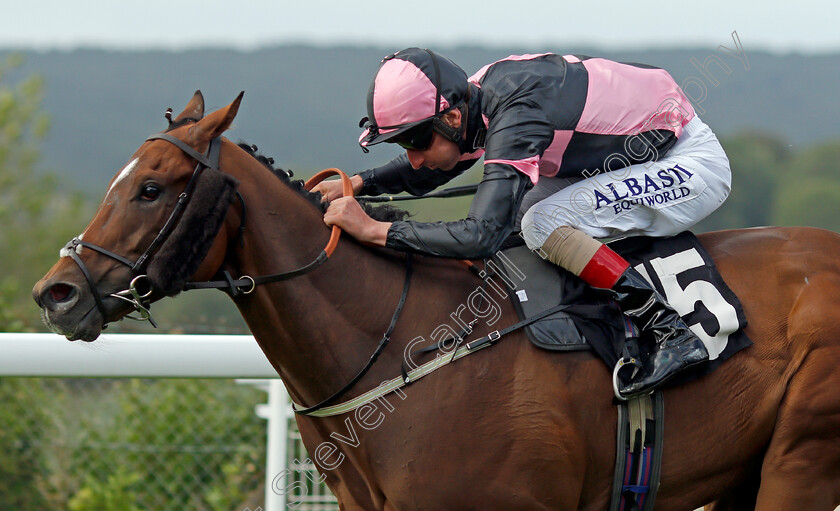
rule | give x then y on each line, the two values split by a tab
410	87
403	94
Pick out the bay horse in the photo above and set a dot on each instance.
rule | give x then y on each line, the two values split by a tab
511	427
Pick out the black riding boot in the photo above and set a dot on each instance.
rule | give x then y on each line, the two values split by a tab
672	346
675	347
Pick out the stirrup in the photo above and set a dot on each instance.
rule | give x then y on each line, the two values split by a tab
618	366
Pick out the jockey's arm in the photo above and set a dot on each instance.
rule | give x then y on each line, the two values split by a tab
490	220
398	176
394	177
517	136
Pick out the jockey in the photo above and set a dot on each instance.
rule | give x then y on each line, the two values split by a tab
575	148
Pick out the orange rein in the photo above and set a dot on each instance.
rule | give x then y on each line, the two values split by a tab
347	190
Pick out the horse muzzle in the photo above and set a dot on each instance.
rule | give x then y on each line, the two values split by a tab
77	309
66	311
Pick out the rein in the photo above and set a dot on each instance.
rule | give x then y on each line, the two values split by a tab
454	191
253	282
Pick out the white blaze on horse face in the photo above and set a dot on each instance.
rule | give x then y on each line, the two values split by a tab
124	173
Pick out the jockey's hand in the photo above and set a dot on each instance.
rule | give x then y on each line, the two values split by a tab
332	189
346	213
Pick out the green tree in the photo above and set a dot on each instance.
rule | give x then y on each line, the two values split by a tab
21	441
114	494
35	219
811	184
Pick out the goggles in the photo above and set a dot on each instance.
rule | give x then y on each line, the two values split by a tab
418	138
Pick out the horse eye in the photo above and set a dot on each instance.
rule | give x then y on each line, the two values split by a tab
149	192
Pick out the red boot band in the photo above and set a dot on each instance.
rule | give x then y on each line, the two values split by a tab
604	269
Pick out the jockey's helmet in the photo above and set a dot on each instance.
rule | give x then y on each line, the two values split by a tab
410	92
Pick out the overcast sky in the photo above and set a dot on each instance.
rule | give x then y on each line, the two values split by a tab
777	25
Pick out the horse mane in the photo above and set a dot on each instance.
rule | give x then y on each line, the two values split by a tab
382	213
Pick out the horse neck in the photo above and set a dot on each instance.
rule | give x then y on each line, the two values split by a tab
319	329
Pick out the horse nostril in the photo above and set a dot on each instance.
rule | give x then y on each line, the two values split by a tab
61	292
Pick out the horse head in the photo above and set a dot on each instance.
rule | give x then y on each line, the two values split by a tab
159	224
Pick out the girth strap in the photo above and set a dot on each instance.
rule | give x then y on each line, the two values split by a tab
497	334
638	453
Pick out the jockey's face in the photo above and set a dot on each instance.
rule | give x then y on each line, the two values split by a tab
443	153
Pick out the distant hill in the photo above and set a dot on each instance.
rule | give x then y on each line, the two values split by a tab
302	104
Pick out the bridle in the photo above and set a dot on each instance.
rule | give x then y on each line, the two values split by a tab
139	290
140	298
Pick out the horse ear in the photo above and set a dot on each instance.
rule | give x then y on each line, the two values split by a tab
216	123
194	109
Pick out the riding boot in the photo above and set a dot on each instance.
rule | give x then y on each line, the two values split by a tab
672	344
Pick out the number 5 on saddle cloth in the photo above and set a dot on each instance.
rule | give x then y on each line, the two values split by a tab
678	267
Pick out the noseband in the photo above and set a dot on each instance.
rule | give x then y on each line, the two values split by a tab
140	290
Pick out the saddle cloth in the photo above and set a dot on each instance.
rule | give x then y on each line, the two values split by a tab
678	267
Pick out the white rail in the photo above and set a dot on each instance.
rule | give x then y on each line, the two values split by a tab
134	356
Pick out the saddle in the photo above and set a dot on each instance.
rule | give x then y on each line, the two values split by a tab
678	267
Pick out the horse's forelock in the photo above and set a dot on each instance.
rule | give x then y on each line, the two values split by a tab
173	125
